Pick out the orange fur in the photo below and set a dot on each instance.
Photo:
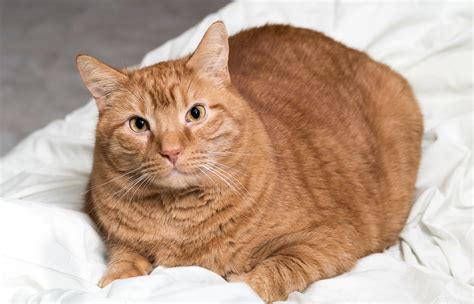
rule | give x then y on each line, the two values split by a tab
305	162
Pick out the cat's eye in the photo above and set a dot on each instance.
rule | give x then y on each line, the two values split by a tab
138	124
196	113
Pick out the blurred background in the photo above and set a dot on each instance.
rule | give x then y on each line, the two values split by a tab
39	40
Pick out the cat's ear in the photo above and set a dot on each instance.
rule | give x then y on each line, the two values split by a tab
100	79
212	53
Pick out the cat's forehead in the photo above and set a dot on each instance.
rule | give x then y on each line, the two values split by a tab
163	84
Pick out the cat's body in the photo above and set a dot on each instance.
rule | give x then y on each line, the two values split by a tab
312	169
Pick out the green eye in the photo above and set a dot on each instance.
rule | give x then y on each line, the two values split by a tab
138	124
196	113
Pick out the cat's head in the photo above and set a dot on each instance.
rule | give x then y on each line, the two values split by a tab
173	122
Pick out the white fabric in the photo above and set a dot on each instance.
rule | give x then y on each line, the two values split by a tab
50	251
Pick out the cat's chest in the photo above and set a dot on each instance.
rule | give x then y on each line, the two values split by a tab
214	254
188	230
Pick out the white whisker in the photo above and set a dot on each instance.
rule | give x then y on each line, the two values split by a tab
113	179
230	176
226	180
228	167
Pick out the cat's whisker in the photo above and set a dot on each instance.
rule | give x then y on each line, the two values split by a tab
244	197
115	193
225	179
139	186
189	86
233	153
196	159
206	175
228	167
223	152
112	179
219	176
137	182
121	190
231	177
154	171
224	172
148	182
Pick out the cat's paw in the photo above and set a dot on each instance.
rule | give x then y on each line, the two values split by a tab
123	270
261	285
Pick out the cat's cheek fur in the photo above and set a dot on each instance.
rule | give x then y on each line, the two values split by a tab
141	139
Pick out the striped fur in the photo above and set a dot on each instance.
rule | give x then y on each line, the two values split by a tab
305	162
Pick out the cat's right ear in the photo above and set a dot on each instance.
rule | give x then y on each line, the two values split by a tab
100	79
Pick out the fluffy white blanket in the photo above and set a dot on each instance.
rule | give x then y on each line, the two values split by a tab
51	252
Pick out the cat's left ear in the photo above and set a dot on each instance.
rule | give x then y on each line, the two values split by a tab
212	53
100	79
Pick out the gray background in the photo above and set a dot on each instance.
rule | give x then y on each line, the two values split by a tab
39	40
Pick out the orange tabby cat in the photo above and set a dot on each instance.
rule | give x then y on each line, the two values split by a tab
277	157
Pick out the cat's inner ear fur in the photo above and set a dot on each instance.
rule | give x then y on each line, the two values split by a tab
100	79
212	53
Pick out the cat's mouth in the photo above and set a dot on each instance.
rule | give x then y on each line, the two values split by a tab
181	169
176	172
177	178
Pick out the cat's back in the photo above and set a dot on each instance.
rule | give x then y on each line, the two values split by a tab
297	79
289	75
337	119
290	72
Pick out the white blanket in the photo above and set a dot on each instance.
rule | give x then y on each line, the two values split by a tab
51	252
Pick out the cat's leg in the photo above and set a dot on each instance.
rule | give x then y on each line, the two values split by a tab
124	263
294	267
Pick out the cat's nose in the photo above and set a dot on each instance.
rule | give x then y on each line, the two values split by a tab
171	155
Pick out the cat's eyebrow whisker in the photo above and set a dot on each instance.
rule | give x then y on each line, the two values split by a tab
189	86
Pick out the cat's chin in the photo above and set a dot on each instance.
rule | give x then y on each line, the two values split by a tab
177	180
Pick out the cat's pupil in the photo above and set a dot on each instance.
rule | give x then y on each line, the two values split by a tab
139	123
195	113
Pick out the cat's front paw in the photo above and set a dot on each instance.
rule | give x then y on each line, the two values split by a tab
123	270
261	285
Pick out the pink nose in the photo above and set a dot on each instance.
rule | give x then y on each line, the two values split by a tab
171	155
